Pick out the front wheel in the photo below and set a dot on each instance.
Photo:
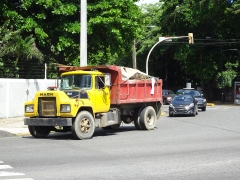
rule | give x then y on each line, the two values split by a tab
148	118
39	131
83	126
204	109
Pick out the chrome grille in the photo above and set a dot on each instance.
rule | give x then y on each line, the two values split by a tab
47	106
180	109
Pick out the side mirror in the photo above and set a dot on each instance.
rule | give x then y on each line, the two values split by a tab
107	79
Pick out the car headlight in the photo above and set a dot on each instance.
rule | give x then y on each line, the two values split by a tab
189	106
29	108
204	100
65	108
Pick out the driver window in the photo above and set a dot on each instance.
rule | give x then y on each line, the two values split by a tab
99	82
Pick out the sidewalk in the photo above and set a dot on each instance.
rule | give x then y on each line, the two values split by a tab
13	127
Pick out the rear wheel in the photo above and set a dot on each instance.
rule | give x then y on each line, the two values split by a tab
39	131
148	118
83	126
136	118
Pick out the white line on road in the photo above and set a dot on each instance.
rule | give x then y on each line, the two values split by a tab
20	179
5	167
5	173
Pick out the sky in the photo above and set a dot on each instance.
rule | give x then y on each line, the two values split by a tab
147	1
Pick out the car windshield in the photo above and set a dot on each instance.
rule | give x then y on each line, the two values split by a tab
191	92
182	99
165	93
70	82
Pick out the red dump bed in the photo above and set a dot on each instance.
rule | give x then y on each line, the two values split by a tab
124	90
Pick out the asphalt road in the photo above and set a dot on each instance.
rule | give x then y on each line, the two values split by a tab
183	148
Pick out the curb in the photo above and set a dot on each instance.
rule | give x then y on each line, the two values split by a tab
163	113
210	104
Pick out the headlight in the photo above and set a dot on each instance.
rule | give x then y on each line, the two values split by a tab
204	100
65	108
189	106
29	108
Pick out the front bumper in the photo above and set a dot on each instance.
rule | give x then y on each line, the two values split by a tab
48	121
181	111
202	105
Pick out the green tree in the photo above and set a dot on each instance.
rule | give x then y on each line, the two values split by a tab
13	45
203	19
112	26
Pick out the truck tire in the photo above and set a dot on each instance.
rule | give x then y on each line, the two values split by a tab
148	118
39	131
83	126
136	118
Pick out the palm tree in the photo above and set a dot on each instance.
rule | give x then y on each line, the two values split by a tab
14	45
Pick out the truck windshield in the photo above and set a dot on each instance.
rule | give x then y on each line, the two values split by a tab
70	82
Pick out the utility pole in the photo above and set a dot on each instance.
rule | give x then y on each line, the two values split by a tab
83	36
134	57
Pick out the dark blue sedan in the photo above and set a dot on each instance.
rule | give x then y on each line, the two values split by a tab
183	105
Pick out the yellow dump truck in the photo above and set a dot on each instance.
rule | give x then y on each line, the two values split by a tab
95	96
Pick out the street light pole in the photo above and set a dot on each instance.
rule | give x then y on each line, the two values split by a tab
83	36
134	57
161	39
222	78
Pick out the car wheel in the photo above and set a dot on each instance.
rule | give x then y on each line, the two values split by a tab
204	109
194	114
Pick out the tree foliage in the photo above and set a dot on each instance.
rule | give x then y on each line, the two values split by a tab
55	24
14	46
214	29
53	27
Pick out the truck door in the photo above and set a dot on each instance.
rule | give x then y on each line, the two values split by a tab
102	95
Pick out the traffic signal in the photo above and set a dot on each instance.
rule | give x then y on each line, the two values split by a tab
190	36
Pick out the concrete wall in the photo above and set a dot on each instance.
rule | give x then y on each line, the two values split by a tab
13	94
